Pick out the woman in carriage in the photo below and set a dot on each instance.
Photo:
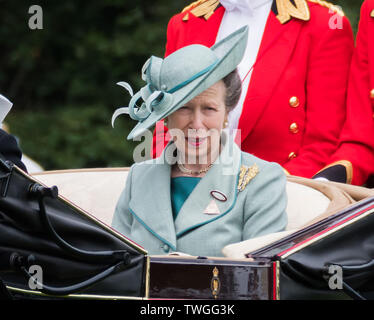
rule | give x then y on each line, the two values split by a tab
202	193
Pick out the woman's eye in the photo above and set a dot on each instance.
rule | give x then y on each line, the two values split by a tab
184	109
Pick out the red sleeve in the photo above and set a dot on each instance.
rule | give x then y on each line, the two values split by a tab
326	86
357	139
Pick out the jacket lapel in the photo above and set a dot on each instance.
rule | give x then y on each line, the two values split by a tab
222	177
151	204
275	52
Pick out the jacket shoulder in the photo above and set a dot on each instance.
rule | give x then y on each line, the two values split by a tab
200	8
141	169
193	5
328	18
329	7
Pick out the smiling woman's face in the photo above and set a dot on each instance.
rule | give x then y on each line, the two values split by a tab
197	125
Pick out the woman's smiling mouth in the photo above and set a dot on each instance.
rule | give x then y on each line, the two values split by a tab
196	142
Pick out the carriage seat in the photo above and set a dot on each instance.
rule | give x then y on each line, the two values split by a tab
95	191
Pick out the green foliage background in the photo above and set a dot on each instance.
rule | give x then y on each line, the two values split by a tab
62	79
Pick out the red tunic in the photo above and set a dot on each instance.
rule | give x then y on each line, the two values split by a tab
295	104
356	151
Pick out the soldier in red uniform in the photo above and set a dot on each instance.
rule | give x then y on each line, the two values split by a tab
294	74
353	162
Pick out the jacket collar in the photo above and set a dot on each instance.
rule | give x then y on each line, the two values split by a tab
284	10
242	5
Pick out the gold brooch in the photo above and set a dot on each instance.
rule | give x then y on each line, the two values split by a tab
372	14
246	175
201	8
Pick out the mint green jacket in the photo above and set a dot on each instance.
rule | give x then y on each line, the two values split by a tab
144	211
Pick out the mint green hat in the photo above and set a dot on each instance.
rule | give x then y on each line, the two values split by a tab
181	76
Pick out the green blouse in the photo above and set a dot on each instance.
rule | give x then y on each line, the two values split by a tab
181	188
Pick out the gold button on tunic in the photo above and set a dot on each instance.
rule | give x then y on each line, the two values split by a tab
372	94
294	128
292	155
294	102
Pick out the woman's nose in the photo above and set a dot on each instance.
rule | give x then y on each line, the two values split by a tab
197	121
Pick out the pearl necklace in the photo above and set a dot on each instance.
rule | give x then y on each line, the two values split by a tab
183	169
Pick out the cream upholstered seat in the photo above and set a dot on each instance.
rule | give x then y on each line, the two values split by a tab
97	191
93	190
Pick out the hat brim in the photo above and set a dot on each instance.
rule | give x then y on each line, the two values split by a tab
229	52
